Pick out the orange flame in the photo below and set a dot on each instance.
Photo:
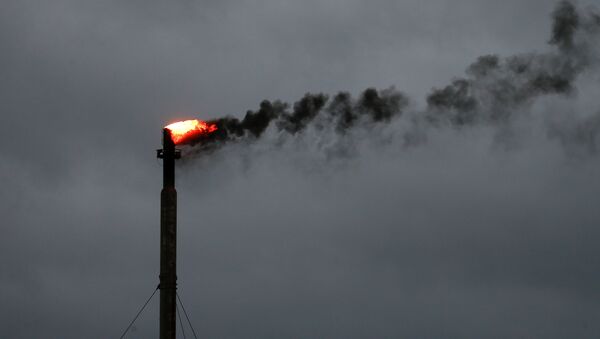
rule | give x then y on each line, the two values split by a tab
183	131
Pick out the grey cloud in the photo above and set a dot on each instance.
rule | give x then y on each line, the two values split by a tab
282	237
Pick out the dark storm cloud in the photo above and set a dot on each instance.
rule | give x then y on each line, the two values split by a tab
282	237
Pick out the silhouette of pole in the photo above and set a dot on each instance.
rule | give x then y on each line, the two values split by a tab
168	239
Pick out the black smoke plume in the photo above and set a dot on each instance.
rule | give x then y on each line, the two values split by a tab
493	90
372	106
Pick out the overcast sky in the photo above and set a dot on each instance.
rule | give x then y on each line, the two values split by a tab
463	236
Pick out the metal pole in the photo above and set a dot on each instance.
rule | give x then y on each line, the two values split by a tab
168	239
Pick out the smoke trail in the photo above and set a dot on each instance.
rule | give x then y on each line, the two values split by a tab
373	105
492	92
495	87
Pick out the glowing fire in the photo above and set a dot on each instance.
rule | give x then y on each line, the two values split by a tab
183	131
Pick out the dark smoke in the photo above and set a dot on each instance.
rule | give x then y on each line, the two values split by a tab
566	22
494	87
305	111
372	106
492	92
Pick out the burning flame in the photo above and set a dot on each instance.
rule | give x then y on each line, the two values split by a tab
183	131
